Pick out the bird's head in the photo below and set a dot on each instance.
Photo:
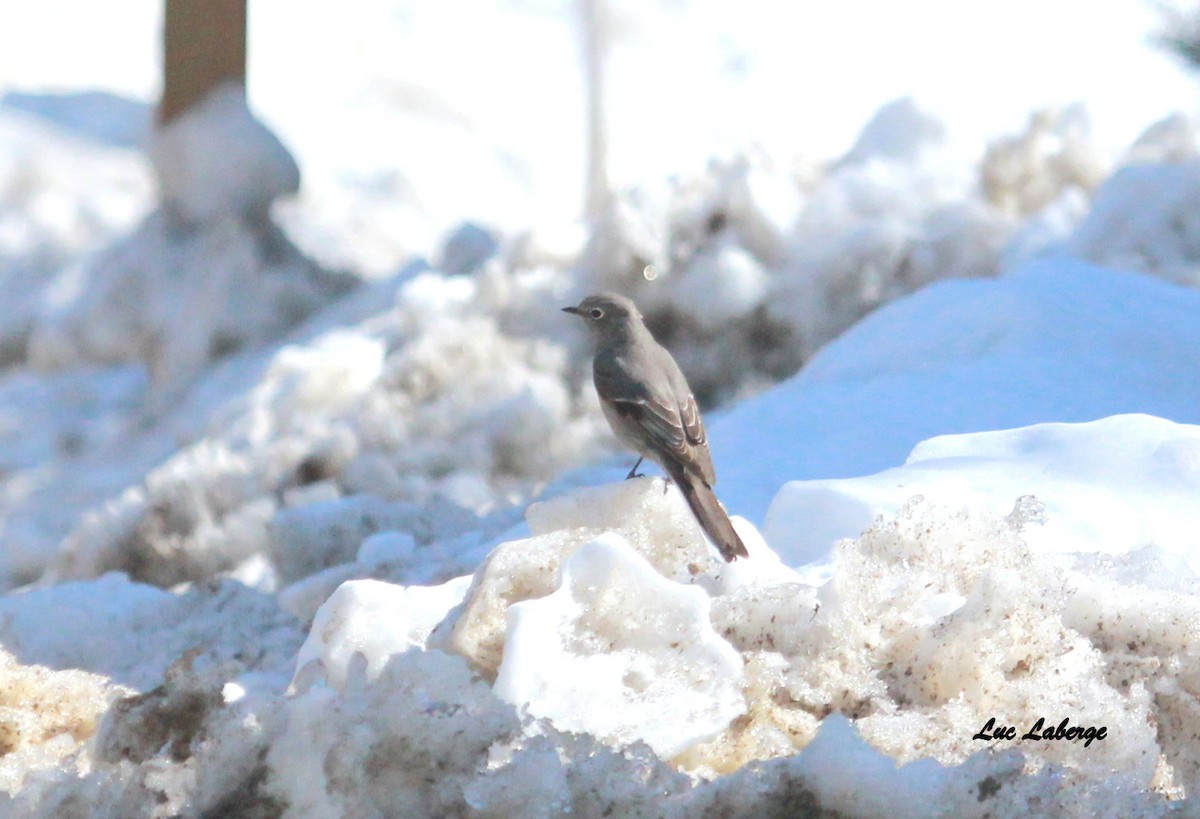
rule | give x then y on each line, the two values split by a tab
606	315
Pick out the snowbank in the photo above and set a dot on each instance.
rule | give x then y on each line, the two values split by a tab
1110	486
1052	341
905	639
933	622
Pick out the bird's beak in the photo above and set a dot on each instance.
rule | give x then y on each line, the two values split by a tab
571	310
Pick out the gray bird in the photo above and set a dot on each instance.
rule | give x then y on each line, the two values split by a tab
650	407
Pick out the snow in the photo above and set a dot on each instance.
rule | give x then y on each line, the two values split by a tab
1161	233
216	157
1024	173
307	507
130	631
1053	341
1082	475
48	715
63	196
348	624
636	648
907	790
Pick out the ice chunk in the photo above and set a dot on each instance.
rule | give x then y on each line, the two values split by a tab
651	517
620	652
375	620
514	571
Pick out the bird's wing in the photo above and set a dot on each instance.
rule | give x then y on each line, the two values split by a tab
693	426
667	414
654	411
689	415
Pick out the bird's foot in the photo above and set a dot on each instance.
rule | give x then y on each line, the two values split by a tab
633	473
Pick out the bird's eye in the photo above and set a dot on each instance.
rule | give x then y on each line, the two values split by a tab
597	313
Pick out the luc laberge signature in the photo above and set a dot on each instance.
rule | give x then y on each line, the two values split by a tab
1039	732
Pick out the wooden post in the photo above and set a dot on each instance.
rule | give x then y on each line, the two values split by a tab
204	45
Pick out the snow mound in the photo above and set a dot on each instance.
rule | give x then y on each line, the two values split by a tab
1144	217
1107	487
931	623
216	158
205	274
1051	341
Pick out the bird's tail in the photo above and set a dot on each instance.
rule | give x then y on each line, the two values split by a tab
711	515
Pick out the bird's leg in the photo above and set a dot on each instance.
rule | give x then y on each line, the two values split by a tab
633	473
